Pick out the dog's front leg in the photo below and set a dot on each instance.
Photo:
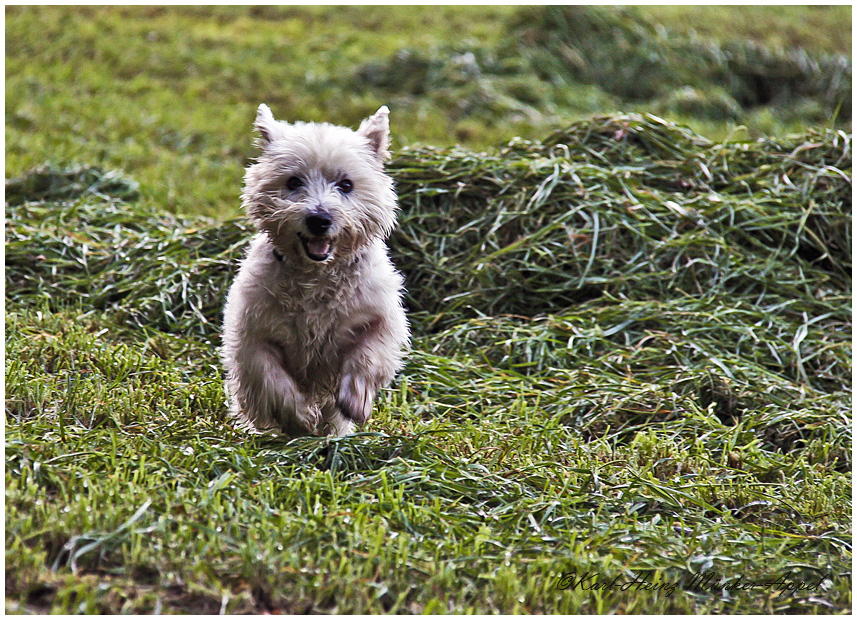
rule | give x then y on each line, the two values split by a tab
356	394
371	357
267	393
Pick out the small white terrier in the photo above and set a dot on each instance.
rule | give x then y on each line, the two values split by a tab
314	323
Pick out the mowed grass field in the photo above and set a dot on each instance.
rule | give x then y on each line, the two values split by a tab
630	385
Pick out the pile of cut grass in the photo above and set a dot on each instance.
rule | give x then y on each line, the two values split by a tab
632	207
631	357
155	270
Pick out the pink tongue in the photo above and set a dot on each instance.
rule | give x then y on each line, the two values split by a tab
318	247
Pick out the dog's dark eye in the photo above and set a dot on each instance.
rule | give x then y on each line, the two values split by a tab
294	183
345	186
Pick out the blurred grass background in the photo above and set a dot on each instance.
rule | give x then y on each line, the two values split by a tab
170	92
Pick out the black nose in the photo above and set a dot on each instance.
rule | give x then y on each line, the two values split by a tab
318	223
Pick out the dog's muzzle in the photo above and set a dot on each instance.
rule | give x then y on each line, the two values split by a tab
317	245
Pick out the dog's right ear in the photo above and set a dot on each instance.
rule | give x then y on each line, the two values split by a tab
266	124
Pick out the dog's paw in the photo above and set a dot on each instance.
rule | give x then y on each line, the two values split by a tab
339	426
355	398
308	417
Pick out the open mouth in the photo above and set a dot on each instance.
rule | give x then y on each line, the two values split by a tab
316	248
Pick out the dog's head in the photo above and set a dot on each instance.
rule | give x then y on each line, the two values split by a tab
319	191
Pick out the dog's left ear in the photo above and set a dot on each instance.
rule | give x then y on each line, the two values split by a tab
376	129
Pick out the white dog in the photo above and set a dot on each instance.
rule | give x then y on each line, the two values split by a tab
314	323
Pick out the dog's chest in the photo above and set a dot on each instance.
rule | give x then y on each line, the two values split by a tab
311	327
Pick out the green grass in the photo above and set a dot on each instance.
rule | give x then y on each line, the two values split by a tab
632	343
477	496
823	28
